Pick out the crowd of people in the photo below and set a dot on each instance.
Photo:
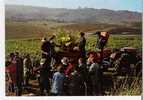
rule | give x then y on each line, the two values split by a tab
66	78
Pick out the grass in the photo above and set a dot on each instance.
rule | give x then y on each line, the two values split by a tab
32	46
30	29
117	41
128	87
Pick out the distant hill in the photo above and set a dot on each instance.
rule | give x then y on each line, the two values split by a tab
84	15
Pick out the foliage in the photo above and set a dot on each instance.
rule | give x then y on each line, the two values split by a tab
130	86
32	46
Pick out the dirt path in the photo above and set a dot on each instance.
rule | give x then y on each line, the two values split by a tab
31	90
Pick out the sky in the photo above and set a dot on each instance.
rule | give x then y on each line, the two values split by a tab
132	5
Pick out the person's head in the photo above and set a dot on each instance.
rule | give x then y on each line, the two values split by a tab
42	61
60	69
11	55
44	39
71	60
80	61
17	54
98	32
64	61
82	34
91	54
116	50
93	60
7	63
27	55
52	37
139	56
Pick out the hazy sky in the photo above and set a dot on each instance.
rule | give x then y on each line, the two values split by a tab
133	5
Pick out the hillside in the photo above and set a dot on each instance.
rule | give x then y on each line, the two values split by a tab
33	22
84	15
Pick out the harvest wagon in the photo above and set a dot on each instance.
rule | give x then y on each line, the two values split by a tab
74	55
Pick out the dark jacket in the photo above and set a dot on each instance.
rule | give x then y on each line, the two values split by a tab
46	47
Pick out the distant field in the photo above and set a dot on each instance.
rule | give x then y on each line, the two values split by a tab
36	29
30	29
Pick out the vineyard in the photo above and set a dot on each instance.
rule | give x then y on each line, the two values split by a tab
32	47
73	48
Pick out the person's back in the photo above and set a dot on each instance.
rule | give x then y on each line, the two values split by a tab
83	69
46	49
11	69
19	74
11	76
74	85
70	67
96	78
27	65
57	83
45	72
52	47
124	65
82	43
19	70
94	70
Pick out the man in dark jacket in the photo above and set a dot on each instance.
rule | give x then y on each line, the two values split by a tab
45	66
76	85
45	48
96	77
82	43
19	74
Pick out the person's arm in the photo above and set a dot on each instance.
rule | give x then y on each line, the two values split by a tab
37	69
9	77
53	78
91	68
57	45
43	49
44	52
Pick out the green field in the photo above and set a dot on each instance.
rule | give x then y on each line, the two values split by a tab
32	46
30	29
25	37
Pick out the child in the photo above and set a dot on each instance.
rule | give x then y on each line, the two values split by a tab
58	82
